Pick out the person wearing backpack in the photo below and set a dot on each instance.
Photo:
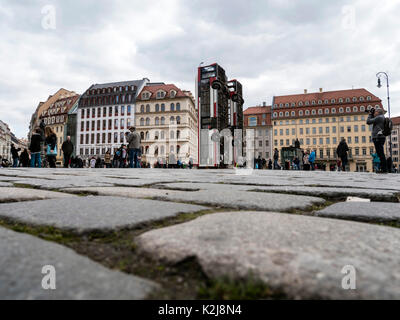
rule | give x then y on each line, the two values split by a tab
341	151
379	132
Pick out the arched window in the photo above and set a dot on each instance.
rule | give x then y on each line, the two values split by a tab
313	111
293	114
341	110
178	148
162	135
320	111
156	135
142	121
355	109
142	108
172	120
147	149
147	121
157	107
178	106
178	134
171	149
287	114
326	111
172	107
162	120
348	109
142	135
178	120
162	107
157	121
362	108
147	136
148	108
300	112
281	114
300	104
333	110
156	151
172	134
162	150
307	112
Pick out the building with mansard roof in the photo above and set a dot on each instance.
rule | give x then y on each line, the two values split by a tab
166	119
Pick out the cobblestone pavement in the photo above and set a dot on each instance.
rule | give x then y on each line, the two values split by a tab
125	234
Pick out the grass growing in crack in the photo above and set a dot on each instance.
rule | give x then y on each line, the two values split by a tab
229	289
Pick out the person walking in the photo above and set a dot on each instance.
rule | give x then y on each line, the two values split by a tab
134	148
51	143
341	151
15	155
377	119
35	148
67	148
276	158
311	160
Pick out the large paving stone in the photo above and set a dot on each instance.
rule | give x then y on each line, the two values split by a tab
126	192
8	194
373	194
231	198
85	214
5	184
300	255
59	184
363	211
23	257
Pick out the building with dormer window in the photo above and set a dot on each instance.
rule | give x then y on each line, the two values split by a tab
166	119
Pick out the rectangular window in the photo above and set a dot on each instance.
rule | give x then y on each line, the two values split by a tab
321	153
328	140
355	128
333	129
363	128
314	130
348	139
93	125
293	131
87	138
128	110
103	136
287	132
308	141
356	140
109	124
104	124
98	112
82	138
260	143
116	111
109	137
327	130
82	125
301	131
98	138
281	142
83	113
363	139
281	132
122	110
104	111
116	124
87	125
110	111
287	142
93	113
92	139
321	141
320	130
307	130
98	124
334	140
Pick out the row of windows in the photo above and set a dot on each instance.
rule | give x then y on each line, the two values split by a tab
161	107
105	125
111	89
321	141
128	98
158	121
103	111
119	137
321	120
320	102
321	111
321	130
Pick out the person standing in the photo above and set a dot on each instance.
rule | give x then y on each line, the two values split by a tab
134	148
35	148
377	119
51	143
107	159
341	151
67	148
15	155
24	158
311	160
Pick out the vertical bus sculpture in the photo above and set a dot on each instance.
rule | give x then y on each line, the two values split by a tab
220	106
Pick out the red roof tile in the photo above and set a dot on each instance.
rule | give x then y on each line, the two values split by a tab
396	120
257	110
165	87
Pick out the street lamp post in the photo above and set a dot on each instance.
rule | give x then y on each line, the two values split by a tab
378	75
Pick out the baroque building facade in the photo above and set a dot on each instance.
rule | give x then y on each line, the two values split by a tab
166	118
56	117
319	120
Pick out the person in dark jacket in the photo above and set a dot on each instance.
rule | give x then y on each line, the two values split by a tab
34	148
276	158
15	155
377	119
24	158
67	148
341	151
51	143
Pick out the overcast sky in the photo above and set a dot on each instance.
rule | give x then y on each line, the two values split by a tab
272	47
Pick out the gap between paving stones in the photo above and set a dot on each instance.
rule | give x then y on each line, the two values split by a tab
117	250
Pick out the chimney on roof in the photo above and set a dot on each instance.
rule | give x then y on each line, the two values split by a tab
320	89
264	104
305	91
